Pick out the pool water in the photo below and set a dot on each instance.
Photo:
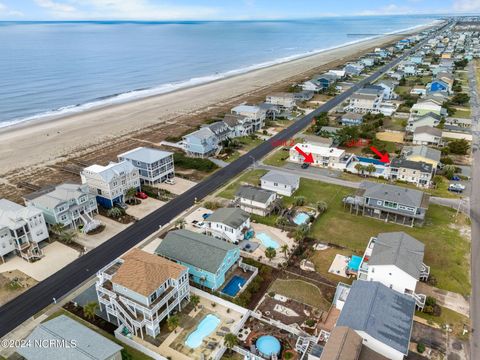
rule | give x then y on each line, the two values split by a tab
268	345
301	218
234	286
208	324
267	241
354	262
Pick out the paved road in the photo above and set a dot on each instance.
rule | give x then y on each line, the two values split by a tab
62	282
475	215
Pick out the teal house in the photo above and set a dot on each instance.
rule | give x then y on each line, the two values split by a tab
208	259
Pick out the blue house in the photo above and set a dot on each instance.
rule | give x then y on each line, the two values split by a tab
437	86
201	143
207	258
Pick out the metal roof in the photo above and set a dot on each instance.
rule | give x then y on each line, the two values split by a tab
233	217
146	155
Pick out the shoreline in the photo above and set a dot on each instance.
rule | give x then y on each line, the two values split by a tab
46	141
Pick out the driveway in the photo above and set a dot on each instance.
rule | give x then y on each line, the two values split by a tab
181	185
431	337
112	228
448	299
147	206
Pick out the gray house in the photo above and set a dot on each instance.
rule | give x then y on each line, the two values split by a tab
256	200
154	165
240	125
280	182
381	316
389	203
201	143
78	342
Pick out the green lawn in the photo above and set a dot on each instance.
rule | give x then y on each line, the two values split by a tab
397	124
278	158
247	143
251	177
462	113
324	258
447	252
300	291
136	355
403	90
450	317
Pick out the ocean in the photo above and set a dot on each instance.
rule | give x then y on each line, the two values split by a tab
56	68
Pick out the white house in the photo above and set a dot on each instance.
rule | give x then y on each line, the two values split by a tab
230	224
256	200
388	87
154	166
429	119
280	182
141	289
110	183
426	135
21	229
416	172
424	107
366	100
253	112
322	156
284	100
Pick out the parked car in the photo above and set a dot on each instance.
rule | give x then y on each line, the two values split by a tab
206	215
456	178
458	188
170	181
141	195
305	165
198	224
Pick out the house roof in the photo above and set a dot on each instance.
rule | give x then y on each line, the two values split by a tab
281	178
202	251
382	313
343	344
144	273
428	130
285	95
112	170
430	115
12	214
410	164
202	133
89	344
218	128
399	249
316	140
423	151
233	217
398	194
145	154
234	119
352	116
254	193
51	196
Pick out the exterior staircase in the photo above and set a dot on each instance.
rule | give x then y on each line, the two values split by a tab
89	223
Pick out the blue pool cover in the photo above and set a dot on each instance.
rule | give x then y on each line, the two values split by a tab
268	345
354	262
370	161
234	286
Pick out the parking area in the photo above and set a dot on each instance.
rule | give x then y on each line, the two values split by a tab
147	206
57	256
194	220
313	170
112	228
181	185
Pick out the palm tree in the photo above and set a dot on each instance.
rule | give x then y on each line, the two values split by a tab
370	169
360	168
230	340
173	322
284	250
90	309
180	223
57	228
270	253
130	194
115	212
301	232
281	222
67	236
195	300
322	206
299	200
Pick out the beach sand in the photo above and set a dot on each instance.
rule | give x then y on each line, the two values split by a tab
41	143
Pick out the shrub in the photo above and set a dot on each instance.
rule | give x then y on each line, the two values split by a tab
446	160
299	200
459	146
420	348
430	301
428	310
115	212
271	294
185	162
310	322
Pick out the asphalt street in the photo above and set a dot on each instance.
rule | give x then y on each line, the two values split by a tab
65	280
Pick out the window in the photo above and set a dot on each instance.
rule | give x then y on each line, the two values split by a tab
153	297
390	204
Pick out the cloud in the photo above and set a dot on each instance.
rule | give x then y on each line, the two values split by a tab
466	5
124	10
7	12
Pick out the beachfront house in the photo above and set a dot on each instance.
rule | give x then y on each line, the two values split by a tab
422	153
255	113
373	310
396	260
280	182
389	203
256	200
111	183
201	143
239	125
366	100
21	230
140	290
283	100
207	258
414	172
154	166
64	338
368	61
429	119
427	135
354	69
230	224
71	205
332	157
351	119
221	130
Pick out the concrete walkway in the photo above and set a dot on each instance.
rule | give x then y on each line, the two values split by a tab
448	299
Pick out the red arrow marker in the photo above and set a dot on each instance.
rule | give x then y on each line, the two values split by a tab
383	157
308	158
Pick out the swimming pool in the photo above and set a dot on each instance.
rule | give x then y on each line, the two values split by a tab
354	262
234	286
268	345
301	218
267	241
208	324
370	161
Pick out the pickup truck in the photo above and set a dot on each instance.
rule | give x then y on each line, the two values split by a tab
458	188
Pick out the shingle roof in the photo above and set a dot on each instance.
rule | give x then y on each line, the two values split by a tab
352	116
146	155
202	251
144	273
233	217
89	344
234	119
254	193
428	130
281	178
202	133
12	214
409	164
424	151
402	195
51	196
343	344
399	249
107	173
382	313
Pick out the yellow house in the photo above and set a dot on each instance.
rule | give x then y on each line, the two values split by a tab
422	153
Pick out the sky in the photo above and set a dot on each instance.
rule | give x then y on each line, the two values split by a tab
222	9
